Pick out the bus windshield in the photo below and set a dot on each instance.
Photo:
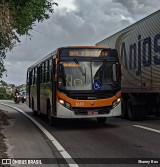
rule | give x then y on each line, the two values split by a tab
88	75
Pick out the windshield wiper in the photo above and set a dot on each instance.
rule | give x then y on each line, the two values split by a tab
80	69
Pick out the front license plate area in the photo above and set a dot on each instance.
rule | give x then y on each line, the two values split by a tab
92	112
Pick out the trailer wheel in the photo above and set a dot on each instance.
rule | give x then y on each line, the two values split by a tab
157	114
101	120
141	113
136	113
130	110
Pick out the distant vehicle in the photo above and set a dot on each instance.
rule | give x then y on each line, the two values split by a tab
17	98
23	96
76	82
139	53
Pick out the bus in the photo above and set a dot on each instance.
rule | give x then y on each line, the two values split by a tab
76	82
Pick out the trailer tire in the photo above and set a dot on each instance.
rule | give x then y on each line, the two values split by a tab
136	113
157	114
141	113
130	111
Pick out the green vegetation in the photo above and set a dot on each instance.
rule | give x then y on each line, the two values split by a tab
4	95
17	17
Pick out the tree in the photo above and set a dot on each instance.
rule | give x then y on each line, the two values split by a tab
17	17
2	93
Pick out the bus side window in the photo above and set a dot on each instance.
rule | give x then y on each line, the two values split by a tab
46	67
27	77
35	76
50	69
32	76
43	73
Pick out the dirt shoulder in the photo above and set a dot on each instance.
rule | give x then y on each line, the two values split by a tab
3	148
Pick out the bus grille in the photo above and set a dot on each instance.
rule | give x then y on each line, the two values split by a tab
86	96
84	111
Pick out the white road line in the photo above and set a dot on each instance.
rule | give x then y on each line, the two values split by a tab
147	128
61	150
7	101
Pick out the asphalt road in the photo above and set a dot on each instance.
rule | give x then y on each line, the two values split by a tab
118	138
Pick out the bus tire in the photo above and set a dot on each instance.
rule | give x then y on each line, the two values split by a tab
101	120
34	111
50	119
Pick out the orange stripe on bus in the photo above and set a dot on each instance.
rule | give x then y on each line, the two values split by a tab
89	103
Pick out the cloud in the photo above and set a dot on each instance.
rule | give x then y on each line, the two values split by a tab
139	7
75	22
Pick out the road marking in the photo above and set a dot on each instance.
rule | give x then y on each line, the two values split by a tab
147	128
61	150
7	101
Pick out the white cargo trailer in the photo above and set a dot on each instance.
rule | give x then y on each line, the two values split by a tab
139	52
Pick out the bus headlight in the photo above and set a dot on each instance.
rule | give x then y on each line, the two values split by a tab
116	102
61	101
64	103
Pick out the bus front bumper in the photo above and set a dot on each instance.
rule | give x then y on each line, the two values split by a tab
63	112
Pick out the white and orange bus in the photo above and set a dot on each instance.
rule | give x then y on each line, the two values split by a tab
76	82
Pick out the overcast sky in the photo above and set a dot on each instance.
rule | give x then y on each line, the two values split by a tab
74	22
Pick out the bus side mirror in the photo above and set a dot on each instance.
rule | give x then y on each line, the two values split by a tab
61	75
114	69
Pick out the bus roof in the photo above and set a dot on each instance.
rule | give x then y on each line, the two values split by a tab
57	50
85	47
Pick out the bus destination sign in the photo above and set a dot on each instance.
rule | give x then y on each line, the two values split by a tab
85	52
88	53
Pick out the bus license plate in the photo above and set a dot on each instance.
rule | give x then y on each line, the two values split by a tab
92	112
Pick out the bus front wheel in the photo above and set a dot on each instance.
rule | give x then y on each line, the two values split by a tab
52	121
34	111
50	118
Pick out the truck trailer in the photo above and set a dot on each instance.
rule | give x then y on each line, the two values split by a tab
139	52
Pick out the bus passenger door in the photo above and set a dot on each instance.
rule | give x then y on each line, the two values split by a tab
38	87
53	73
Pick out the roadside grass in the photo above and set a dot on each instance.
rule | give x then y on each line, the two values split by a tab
3	148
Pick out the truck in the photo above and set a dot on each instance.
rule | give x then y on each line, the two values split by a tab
139	52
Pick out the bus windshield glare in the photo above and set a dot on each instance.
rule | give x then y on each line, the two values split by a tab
88	75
